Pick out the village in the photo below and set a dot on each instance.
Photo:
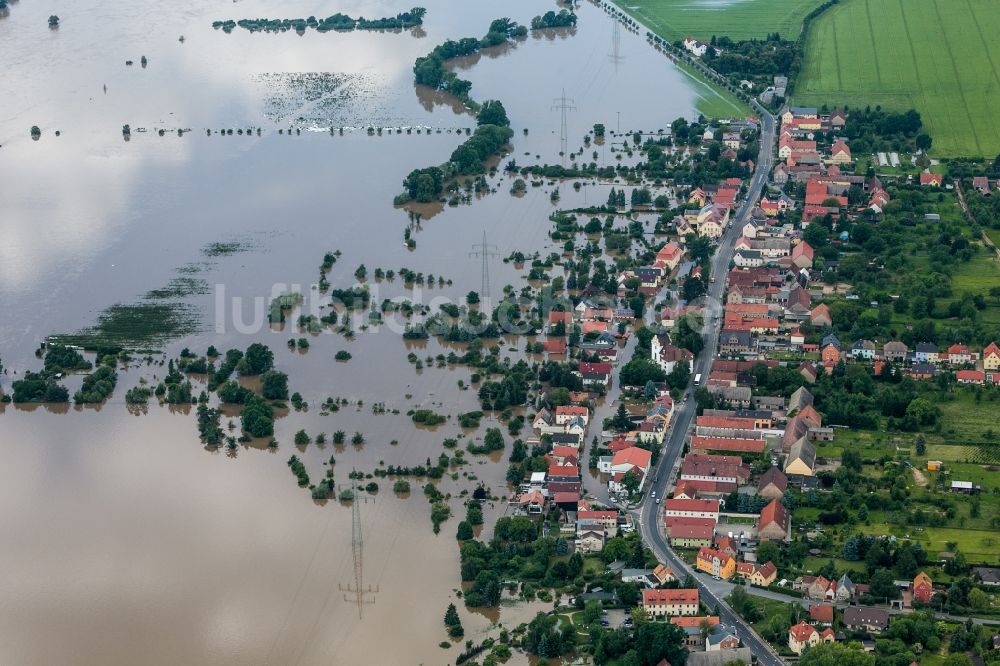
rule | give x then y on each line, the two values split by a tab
750	453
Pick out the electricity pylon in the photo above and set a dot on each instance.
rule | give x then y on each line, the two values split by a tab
487	251
563	104
358	593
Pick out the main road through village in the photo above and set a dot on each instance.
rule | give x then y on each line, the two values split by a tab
648	515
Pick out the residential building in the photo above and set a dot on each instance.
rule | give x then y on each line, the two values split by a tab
772	484
800	398
690	532
668	257
691	508
716	563
590	541
821	614
959	354
928	179
633	461
820	316
863	350
666	603
721	638
774	523
894	351
764	575
565	413
866	618
991	357
802	636
840	153
801	458
923	588
692	628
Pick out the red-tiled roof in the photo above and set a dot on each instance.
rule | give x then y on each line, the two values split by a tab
669	597
821	613
774	513
727	444
802	631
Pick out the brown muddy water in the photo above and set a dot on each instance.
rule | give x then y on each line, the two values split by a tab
124	539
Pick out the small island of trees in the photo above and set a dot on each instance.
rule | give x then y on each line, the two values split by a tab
337	22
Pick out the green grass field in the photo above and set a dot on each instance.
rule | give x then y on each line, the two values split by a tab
738	19
938	56
712	100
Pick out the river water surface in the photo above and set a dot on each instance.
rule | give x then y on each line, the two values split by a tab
123	539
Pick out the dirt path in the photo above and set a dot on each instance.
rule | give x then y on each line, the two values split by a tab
919	477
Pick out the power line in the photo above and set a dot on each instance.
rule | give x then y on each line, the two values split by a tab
359	594
487	251
563	104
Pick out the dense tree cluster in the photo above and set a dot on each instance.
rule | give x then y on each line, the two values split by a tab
339	22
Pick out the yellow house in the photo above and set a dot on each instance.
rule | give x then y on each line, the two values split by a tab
765	575
801	458
716	563
991	357
934	465
802	636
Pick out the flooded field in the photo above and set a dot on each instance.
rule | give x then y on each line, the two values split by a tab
124	538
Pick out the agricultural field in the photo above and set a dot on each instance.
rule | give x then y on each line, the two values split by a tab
938	56
737	19
714	101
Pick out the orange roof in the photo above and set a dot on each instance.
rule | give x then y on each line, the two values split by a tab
725	422
775	513
688	622
748	308
922	579
728	444
821	613
619	445
571	410
535	496
565	317
565	451
596	515
711	554
802	631
706	506
991	349
667	597
563	470
633	456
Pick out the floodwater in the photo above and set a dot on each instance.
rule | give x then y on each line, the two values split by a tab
124	539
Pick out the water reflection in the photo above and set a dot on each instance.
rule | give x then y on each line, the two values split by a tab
126	536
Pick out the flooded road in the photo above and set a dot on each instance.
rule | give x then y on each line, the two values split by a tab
125	539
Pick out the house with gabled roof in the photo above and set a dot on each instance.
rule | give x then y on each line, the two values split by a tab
991	357
772	484
666	602
820	316
774	523
840	153
928	179
801	459
802	636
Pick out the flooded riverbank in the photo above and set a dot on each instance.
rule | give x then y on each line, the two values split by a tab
126	538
